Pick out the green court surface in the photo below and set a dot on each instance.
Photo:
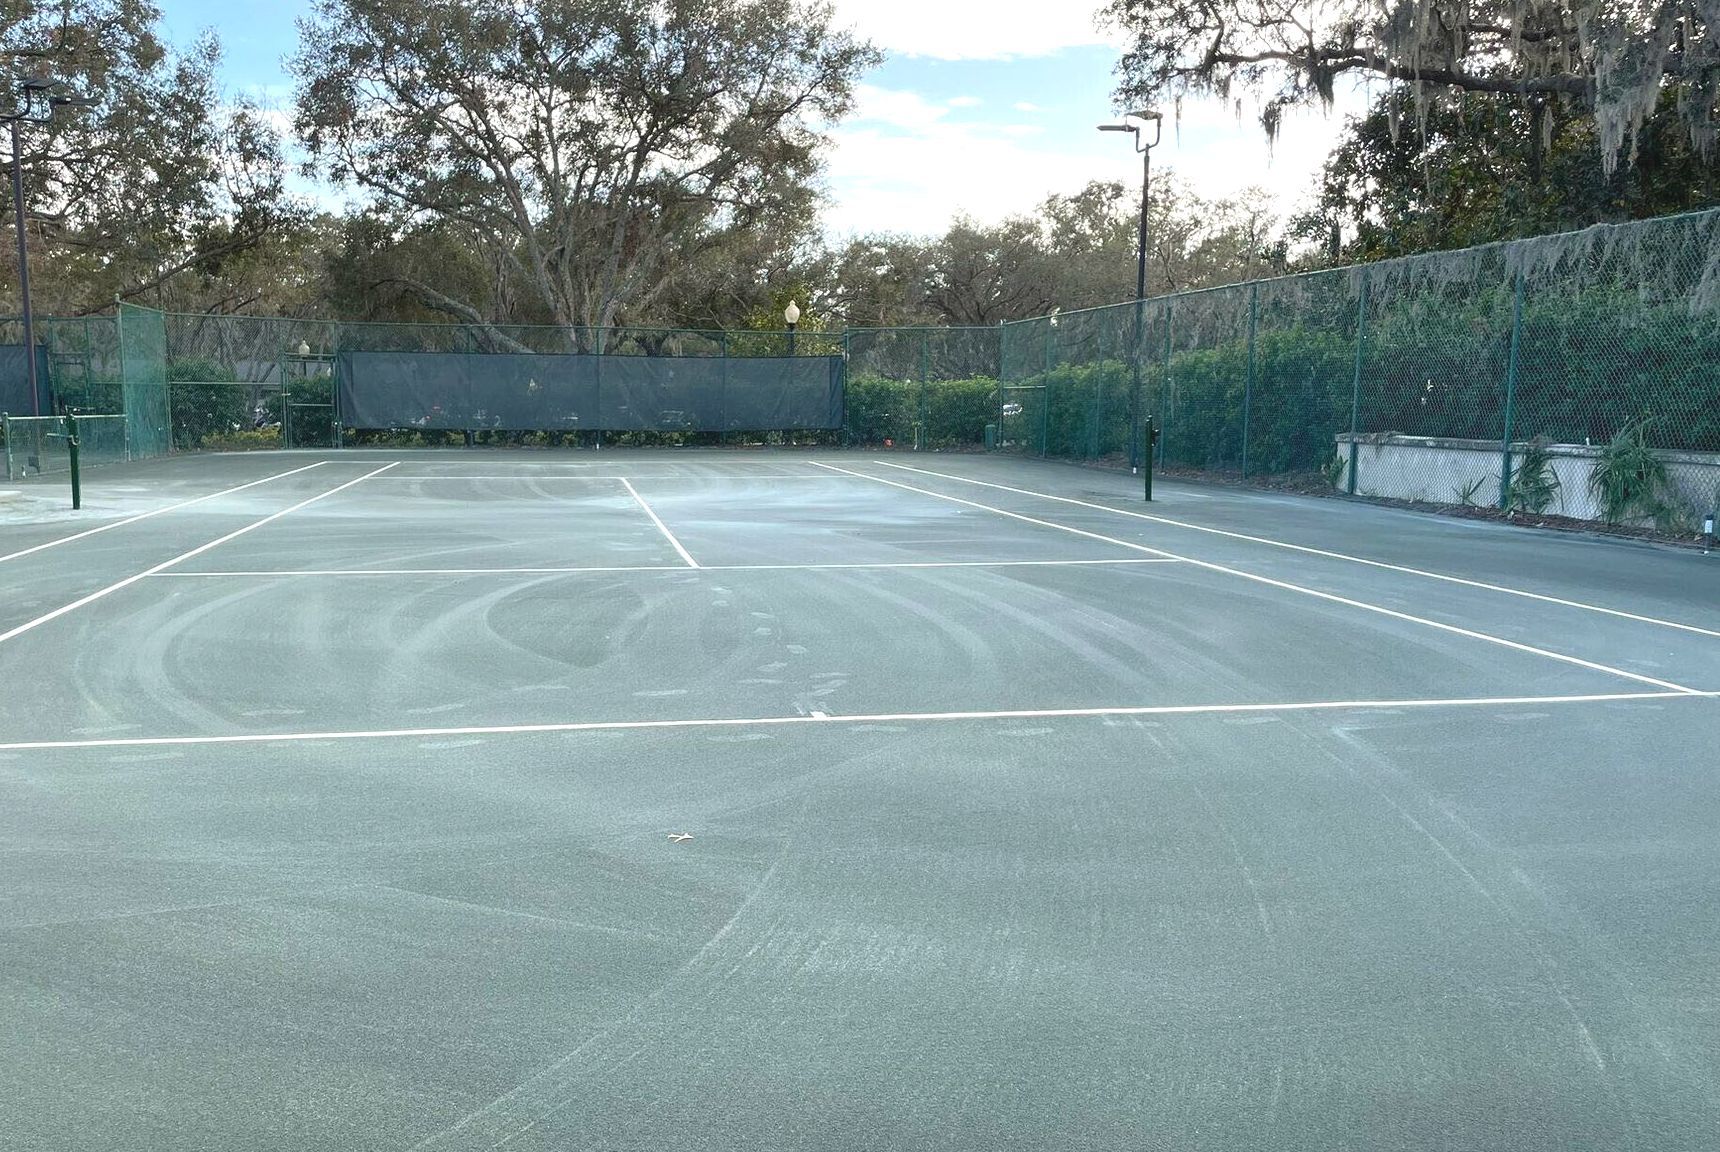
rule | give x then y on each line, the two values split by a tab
811	800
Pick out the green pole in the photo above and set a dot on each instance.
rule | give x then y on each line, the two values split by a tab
6	435
723	393
1356	384
1045	397
1248	382
72	458
1510	395
1151	435
1165	385
925	370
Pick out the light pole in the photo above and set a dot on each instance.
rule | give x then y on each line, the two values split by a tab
791	315
36	105
1133	123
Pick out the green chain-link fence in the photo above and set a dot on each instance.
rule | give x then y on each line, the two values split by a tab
1576	374
921	387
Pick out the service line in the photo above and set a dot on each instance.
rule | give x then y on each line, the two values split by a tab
827	719
573	571
179	559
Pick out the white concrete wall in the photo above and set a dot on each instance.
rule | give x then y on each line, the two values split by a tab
1441	471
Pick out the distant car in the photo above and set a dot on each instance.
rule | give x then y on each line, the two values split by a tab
1012	409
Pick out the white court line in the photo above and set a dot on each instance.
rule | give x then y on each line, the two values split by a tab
661	527
182	557
867	718
671	568
1288	587
157	512
1562	602
528	478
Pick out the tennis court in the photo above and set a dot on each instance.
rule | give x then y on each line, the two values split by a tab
713	800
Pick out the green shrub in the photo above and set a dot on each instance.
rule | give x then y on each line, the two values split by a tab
1630	479
1534	484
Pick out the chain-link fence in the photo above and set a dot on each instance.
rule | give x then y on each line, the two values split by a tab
921	387
1576	374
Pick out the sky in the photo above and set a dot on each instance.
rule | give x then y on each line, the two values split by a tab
982	108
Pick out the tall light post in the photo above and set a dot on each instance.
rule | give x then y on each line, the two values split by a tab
791	316
36	105
1133	123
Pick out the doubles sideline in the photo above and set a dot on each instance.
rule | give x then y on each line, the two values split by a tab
155	512
1299	589
1381	564
179	559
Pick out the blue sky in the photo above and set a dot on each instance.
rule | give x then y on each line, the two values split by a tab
982	107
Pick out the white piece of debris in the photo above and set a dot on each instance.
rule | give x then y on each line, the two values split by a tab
679	837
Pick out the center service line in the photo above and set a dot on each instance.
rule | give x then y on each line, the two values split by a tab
661	527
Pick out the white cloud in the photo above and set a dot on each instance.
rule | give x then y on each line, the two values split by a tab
972	29
900	164
1025	106
965	102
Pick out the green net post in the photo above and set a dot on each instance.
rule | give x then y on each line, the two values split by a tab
1510	393
1248	381
1356	383
6	435
72	458
1150	436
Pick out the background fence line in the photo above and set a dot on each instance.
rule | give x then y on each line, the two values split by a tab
1577	373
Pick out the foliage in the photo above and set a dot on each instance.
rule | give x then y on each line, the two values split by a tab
947	413
1630	479
594	147
1609	59
1534	485
241	440
1073	252
158	184
1473	168
203	400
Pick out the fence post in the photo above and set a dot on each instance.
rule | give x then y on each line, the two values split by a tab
1165	389
925	370
1248	382
1045	401
1510	395
1356	387
723	388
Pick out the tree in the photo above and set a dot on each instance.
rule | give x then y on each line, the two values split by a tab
594	147
144	193
1611	57
1484	167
